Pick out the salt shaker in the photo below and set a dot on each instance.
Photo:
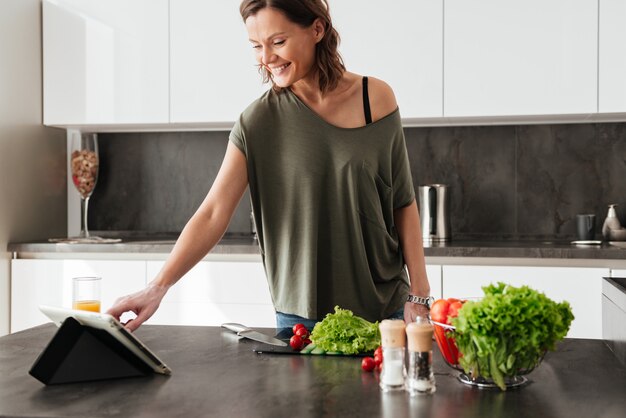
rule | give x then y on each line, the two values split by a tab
420	343
393	337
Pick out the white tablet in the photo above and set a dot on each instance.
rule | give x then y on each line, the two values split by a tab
113	327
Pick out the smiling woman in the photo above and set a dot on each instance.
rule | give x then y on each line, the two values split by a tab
324	157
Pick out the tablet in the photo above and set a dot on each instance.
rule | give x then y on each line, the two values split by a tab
111	325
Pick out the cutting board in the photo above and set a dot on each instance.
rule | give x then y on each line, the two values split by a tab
311	349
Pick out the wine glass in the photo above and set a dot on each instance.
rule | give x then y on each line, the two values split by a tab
84	164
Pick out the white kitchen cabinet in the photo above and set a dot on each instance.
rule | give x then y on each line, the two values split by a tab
618	273
214	292
511	57
214	76
400	42
581	287
433	271
49	282
105	62
612	64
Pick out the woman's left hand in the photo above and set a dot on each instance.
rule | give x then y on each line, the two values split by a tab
413	310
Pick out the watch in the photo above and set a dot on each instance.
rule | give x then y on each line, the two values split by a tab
421	300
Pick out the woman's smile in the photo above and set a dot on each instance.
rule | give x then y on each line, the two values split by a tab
278	70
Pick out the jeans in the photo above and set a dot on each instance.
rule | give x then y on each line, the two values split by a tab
285	320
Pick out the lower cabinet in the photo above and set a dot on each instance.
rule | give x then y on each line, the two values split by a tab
581	287
214	292
433	271
49	282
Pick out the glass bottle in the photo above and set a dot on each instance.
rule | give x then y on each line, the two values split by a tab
611	222
393	338
421	379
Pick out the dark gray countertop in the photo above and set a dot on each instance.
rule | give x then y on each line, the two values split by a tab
246	245
157	244
215	374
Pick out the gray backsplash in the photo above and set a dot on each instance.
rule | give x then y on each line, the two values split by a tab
525	181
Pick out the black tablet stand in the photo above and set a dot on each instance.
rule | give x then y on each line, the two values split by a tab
78	353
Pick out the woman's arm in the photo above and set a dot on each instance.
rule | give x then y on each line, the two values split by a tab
409	231
205	228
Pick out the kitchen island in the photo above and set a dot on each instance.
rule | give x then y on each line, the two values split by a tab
217	374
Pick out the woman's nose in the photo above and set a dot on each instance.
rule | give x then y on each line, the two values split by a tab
267	56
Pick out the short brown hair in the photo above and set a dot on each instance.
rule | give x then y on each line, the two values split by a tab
330	66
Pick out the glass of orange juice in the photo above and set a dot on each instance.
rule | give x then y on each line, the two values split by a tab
86	293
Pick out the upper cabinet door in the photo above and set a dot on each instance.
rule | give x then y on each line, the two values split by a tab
214	75
512	57
612	77
399	42
105	62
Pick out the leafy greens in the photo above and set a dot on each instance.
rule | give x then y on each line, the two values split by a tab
508	331
345	332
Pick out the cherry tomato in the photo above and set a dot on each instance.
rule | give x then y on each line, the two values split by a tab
306	342
367	364
379	352
453	311
378	359
302	333
439	311
296	342
297	326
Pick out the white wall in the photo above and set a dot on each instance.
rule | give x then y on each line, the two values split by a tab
32	158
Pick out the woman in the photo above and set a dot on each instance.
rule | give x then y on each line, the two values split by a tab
324	156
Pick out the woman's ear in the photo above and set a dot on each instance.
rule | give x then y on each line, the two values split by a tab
319	29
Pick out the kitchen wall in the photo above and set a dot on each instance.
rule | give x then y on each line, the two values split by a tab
154	182
507	182
32	158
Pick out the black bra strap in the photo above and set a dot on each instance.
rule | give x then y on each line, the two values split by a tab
366	103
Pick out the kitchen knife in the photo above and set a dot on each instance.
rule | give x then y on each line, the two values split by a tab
246	332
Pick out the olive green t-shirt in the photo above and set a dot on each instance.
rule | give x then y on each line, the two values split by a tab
323	200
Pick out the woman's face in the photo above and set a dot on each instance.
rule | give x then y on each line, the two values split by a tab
284	48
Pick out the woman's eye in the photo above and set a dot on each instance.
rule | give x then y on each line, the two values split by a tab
279	42
256	46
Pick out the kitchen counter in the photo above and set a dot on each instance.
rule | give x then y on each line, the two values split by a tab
217	374
246	245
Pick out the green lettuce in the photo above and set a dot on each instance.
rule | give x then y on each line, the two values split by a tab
508	331
345	332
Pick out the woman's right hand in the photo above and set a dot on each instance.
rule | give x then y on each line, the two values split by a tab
143	303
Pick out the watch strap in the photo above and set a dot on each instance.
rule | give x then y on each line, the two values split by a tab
421	300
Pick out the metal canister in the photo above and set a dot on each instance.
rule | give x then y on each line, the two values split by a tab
434	200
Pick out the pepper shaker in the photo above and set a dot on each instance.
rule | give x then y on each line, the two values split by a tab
393	338
421	379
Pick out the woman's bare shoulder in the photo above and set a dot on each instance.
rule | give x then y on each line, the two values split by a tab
382	99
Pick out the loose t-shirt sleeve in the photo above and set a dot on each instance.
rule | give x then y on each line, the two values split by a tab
403	192
237	137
